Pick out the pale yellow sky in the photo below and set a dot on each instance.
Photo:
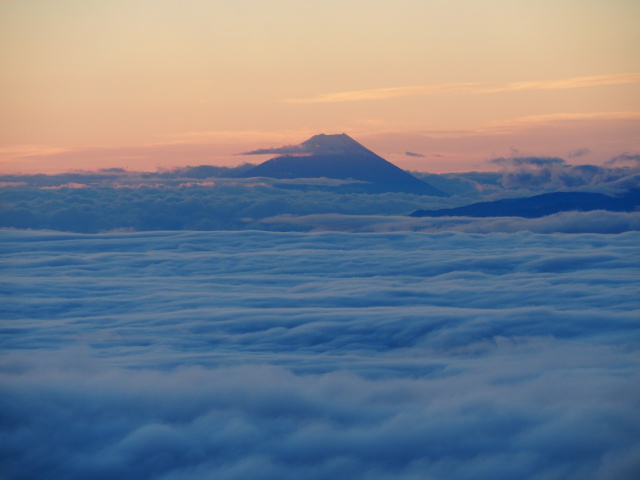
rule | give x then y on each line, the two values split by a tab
153	83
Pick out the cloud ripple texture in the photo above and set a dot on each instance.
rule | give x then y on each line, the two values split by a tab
256	355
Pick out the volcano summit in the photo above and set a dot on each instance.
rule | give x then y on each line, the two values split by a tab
339	157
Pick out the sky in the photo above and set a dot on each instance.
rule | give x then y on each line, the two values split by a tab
146	84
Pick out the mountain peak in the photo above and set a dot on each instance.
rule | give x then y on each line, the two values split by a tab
322	144
339	157
335	144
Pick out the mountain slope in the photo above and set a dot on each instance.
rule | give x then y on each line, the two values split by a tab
340	157
540	205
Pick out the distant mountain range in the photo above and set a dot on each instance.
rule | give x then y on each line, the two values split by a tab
342	158
541	205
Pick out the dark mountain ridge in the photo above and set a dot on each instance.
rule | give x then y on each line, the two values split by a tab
541	205
340	157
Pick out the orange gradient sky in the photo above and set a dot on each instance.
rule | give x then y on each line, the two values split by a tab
146	84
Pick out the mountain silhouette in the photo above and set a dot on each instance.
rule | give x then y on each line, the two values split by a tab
339	157
541	205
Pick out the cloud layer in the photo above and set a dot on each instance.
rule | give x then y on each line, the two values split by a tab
310	356
534	173
597	221
205	198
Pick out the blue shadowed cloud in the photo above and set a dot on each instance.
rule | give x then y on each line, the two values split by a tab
175	355
205	198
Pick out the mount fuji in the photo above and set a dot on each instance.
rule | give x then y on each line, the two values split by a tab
339	157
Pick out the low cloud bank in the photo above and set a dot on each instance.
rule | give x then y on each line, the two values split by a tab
175	355
221	205
597	221
258	206
209	198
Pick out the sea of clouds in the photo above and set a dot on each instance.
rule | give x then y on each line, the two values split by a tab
208	198
265	355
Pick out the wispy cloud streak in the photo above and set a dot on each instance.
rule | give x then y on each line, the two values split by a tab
568	83
384	93
419	90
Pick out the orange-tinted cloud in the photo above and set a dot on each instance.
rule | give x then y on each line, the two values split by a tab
396	92
566	83
384	93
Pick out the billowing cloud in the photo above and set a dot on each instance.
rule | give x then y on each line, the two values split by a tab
267	355
625	159
537	172
554	173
